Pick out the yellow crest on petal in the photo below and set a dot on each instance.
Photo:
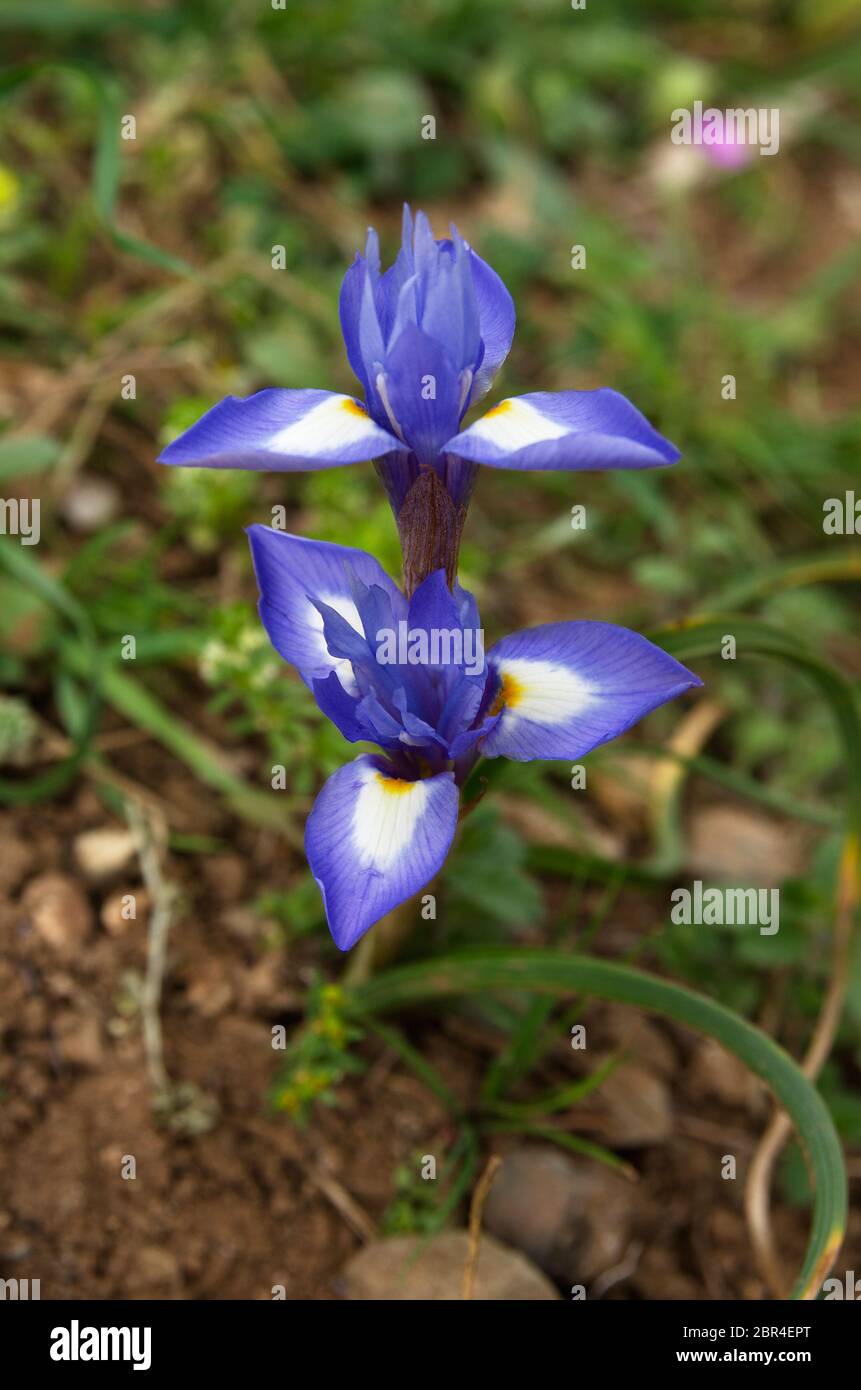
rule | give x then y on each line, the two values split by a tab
394	786
510	694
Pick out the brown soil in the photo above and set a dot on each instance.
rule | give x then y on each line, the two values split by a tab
252	1201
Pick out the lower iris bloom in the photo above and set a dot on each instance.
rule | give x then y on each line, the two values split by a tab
411	676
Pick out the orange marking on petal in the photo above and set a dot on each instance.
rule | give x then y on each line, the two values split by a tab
394	786
353	408
510	694
501	409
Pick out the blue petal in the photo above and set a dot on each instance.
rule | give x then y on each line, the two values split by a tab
433	606
424	391
447	690
467	608
393	280
443	290
564	429
278	430
565	688
373	840
350	308
496	318
344	710
293	574
358	651
449	311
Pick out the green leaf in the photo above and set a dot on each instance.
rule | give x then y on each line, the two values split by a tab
551	972
486	874
27	453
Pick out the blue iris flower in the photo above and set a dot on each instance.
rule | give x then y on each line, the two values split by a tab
411	676
425	339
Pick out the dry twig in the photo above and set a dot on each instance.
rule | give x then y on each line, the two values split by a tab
479	1197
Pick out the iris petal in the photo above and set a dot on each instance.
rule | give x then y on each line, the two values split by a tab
496	316
564	688
279	430
292	574
423	390
564	429
373	840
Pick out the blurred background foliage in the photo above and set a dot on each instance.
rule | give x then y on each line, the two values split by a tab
259	127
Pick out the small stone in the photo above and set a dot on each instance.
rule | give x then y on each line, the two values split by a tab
90	503
539	825
60	912
633	1106
743	847
16	1247
636	1036
116	914
573	1218
401	1268
102	853
154	1267
715	1074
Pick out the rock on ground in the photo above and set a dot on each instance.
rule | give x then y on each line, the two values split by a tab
102	853
573	1218
59	911
385	1270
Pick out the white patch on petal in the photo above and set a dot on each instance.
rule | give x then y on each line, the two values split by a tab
542	691
385	817
331	425
513	424
345	608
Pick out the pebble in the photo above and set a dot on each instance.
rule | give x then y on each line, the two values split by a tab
572	1217
397	1269
102	853
60	912
634	1108
115	909
743	847
716	1074
90	503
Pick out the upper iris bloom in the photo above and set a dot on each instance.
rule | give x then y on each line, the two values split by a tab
425	339
411	676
